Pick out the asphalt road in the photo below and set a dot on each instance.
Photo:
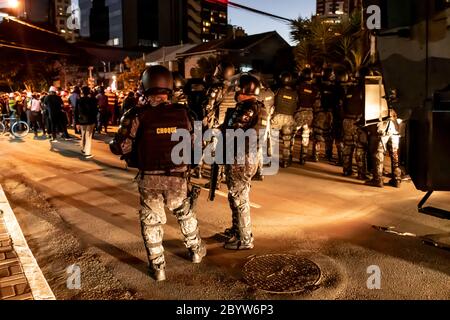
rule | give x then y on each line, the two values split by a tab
85	213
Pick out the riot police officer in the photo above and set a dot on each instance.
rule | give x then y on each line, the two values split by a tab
249	114
342	79
286	101
195	92
385	137
144	141
308	97
266	97
179	83
323	114
354	135
221	95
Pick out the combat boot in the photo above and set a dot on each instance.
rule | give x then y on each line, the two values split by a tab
395	183
158	273
230	232
375	183
348	173
259	175
315	153
236	244
285	164
363	177
198	254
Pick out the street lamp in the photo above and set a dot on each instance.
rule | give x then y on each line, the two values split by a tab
7	4
10	4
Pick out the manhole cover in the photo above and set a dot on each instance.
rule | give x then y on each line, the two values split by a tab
281	273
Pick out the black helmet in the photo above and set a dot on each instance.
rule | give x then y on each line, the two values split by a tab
157	80
363	72
225	71
286	79
306	74
327	73
178	81
248	85
341	74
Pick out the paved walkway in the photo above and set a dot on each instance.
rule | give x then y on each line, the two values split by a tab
20	276
13	283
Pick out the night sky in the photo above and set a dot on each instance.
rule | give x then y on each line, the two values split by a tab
254	23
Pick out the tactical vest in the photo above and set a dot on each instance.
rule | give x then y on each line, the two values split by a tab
286	101
258	122
307	95
267	97
353	103
153	141
329	96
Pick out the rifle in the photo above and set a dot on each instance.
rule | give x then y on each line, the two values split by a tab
215	170
213	181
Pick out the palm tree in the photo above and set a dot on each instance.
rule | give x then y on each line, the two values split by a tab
305	53
319	42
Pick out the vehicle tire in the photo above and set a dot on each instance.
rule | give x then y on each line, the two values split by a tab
2	128
20	129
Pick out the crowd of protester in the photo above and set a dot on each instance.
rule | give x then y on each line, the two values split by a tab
52	113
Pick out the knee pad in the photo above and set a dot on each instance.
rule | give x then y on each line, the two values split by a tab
306	133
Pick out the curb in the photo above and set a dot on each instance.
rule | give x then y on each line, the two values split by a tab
39	286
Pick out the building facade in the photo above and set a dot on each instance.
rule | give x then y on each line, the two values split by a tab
335	10
153	23
207	20
58	15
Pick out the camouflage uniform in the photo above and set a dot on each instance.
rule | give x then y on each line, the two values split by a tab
286	100
239	179
308	101
247	115
376	152
161	183
158	192
354	136
386	139
325	123
355	143
393	147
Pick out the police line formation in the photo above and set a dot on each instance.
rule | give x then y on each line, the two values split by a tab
324	110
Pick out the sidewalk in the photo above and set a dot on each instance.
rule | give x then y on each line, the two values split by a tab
20	275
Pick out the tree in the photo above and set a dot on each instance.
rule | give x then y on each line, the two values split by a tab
319	42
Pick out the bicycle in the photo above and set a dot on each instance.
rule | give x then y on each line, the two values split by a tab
18	129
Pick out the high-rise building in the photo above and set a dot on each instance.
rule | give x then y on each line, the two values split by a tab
51	14
207	20
65	15
153	23
334	10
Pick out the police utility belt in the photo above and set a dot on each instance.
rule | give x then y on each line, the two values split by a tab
168	173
